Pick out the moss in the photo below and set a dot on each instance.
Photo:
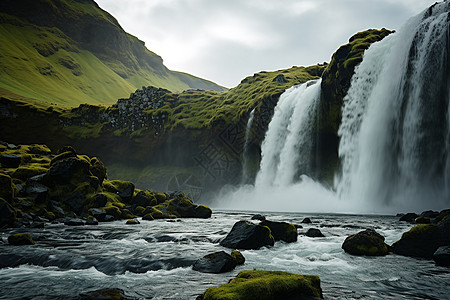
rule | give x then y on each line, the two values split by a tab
25	172
266	285
238	257
113	211
420	231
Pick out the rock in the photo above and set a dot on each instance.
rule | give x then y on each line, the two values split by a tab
313	232
61	156
280	79
139	211
181	207
62	171
238	257
258	217
36	191
442	256
144	199
104	294
113	211
126	214
282	231
6	188
75	202
267	285
99	200
7	214
246	235
19	239
124	189
91	221
66	149
74	222
409	217
429	214
420	241
54	207
307	221
98	169
367	242
132	222
422	220
442	215
203	211
218	262
10	161
148	217
98	213
109	218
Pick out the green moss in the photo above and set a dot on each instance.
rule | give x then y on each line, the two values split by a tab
266	285
25	172
419	231
113	211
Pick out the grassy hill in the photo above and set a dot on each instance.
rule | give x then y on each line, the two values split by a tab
70	52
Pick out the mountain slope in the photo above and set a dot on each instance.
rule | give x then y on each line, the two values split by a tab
71	51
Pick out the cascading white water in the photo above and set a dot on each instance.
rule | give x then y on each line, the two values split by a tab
248	128
395	121
287	146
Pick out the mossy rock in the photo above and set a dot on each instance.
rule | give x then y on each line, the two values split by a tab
266	285
28	171
139	211
72	170
98	169
144	199
62	156
203	211
39	149
282	231
160	197
104	294
127	214
6	187
125	189
367	242
422	220
157	214
20	239
238	257
420	241
113	211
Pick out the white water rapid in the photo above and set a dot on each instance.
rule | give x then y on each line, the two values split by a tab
395	122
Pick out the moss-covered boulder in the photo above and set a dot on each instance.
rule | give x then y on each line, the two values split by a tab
282	231
144	198
267	285
408	217
19	239
6	187
125	189
67	171
7	214
104	294
246	235
422	220
238	257
203	211
217	262
98	169
367	242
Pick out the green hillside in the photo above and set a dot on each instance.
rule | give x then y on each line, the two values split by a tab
71	52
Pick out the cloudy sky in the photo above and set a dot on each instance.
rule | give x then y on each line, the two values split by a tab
227	40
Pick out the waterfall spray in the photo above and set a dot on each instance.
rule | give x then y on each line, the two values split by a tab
245	175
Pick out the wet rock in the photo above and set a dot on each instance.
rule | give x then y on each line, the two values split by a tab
132	222
422	220
104	294
442	256
238	257
7	214
367	242
246	235
265	285
6	188
109	218
20	239
10	161
218	262
429	214
98	213
258	217
314	232
124	189
91	221
203	212
409	217
306	221
74	222
62	156
75	202
54	207
36	191
282	231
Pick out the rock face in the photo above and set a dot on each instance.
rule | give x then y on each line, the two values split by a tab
281	231
19	239
367	242
267	285
442	256
218	262
246	235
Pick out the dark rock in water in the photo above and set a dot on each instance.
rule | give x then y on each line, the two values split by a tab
246	235
98	213
19	239
7	214
203	212
218	262
267	285
429	214
442	256
36	191
91	221
314	232
6	187
258	217
409	217
104	294
282	231
132	222
10	161
367	242
422	220
109	218
74	222
420	241
307	221
75	202
238	257
298	226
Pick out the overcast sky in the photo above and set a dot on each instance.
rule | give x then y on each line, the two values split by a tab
228	40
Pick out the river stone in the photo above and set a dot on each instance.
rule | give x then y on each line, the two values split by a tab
238	257
367	242
74	222
314	232
422	220
218	262
104	294
98	213
246	235
20	239
132	222
10	161
282	231
307	221
442	256
409	217
258	217
91	221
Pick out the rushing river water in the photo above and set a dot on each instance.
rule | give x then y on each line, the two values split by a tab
153	260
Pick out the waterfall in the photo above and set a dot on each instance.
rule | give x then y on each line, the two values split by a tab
288	145
245	175
395	133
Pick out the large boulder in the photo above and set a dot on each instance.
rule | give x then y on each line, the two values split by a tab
246	235
98	213
282	231
144	199
442	256
20	239
367	242
7	214
314	232
217	262
267	285
125	189
409	217
68	170
98	169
